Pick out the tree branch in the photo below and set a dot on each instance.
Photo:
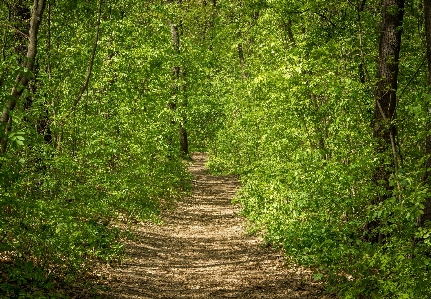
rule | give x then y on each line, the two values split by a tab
17	30
326	18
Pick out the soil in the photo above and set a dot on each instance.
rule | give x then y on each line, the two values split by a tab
203	251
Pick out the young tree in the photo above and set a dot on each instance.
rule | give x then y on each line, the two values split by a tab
179	78
24	75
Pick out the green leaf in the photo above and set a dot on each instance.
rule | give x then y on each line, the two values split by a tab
317	276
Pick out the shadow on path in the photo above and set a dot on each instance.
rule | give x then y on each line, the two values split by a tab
202	251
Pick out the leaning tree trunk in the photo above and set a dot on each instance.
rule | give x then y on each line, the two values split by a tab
23	77
20	19
426	216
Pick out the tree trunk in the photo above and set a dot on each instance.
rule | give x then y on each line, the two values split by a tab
387	74
384	130
209	24
362	68
23	77
241	61
179	77
20	18
288	29
84	87
426	216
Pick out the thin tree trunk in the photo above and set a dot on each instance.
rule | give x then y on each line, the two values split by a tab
4	45
3	52
363	68
20	16
47	131
208	28
23	77
241	61
184	142
48	43
288	29
179	78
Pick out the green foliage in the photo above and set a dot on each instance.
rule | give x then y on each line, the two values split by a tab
298	132
74	172
25	280
280	92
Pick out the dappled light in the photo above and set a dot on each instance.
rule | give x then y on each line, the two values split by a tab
215	149
203	251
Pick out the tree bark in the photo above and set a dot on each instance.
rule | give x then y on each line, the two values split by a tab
387	78
384	131
241	61
426	216
23	77
288	29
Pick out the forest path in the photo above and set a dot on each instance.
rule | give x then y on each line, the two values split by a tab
202	251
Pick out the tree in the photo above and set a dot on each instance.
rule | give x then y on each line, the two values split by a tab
426	216
179	85
384	128
24	75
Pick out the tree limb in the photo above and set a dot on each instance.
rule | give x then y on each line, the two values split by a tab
17	30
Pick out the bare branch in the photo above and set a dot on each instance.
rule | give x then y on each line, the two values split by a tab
15	29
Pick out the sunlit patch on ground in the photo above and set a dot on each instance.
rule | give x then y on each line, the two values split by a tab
203	251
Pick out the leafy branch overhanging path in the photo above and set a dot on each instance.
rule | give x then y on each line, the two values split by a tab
202	251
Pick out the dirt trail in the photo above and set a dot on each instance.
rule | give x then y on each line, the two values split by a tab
202	251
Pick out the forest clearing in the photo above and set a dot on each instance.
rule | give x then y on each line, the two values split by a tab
315	117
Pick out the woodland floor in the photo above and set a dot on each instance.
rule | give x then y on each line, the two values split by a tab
203	251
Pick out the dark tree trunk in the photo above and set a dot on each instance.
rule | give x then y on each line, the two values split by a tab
241	61
426	216
20	18
387	78
209	24
86	83
289	32
362	68
385	103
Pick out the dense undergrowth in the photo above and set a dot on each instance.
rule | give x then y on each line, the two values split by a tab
60	217
281	92
58	225
299	132
76	174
